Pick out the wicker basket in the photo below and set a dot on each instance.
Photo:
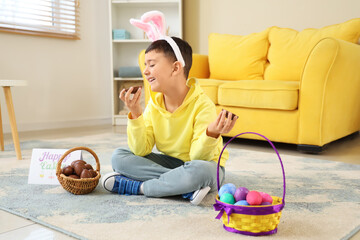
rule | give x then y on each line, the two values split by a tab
251	220
78	186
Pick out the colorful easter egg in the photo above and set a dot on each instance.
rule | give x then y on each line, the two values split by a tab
242	203
227	198
254	198
227	188
266	197
240	193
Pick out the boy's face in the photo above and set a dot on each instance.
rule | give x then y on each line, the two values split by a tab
158	70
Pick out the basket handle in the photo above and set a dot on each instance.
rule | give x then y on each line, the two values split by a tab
58	167
272	145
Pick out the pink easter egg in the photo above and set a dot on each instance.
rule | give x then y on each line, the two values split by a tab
266	197
254	198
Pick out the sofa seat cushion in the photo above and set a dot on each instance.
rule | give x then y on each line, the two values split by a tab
265	94
289	48
211	87
233	57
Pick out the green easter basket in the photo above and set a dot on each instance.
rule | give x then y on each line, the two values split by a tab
251	220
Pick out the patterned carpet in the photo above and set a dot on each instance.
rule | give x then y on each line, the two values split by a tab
322	197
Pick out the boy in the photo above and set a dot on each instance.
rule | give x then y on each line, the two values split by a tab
181	121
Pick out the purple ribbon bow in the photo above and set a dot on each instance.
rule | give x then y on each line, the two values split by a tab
220	207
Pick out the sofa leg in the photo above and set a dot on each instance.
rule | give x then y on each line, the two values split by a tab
313	149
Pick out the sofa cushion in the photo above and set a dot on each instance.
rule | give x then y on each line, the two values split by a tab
266	94
289	48
233	57
211	87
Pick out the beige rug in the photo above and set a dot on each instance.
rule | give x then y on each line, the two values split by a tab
322	198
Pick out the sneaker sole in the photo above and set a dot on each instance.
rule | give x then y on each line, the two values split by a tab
199	195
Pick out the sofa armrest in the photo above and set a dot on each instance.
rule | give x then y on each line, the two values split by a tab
199	69
329	103
200	66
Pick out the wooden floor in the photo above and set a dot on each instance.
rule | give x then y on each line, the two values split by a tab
345	150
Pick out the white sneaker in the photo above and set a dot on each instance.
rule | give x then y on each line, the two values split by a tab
199	195
108	181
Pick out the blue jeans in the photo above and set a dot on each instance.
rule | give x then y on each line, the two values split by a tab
164	175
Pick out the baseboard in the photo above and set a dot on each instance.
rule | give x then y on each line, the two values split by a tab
24	127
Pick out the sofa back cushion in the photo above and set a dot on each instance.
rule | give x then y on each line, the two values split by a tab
233	57
289	48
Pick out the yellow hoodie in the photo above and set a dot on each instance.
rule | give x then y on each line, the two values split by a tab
181	134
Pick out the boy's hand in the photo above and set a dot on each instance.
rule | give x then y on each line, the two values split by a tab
132	103
223	124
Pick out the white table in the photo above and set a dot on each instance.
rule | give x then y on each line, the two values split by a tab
6	85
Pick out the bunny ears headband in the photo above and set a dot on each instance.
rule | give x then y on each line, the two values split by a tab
154	25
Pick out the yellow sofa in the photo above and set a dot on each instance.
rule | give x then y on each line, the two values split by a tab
293	87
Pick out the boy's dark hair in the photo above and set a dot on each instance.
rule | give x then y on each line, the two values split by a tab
164	46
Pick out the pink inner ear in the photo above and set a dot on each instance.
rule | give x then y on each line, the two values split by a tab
157	18
149	29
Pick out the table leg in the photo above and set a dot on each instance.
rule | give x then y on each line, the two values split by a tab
1	134
10	107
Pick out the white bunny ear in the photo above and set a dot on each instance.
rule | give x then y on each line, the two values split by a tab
158	31
149	29
157	18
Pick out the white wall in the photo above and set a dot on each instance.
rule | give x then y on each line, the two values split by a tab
68	80
242	17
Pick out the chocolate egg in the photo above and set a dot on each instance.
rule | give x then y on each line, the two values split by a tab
228	114
134	90
68	170
86	174
79	167
93	173
74	176
77	161
88	166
